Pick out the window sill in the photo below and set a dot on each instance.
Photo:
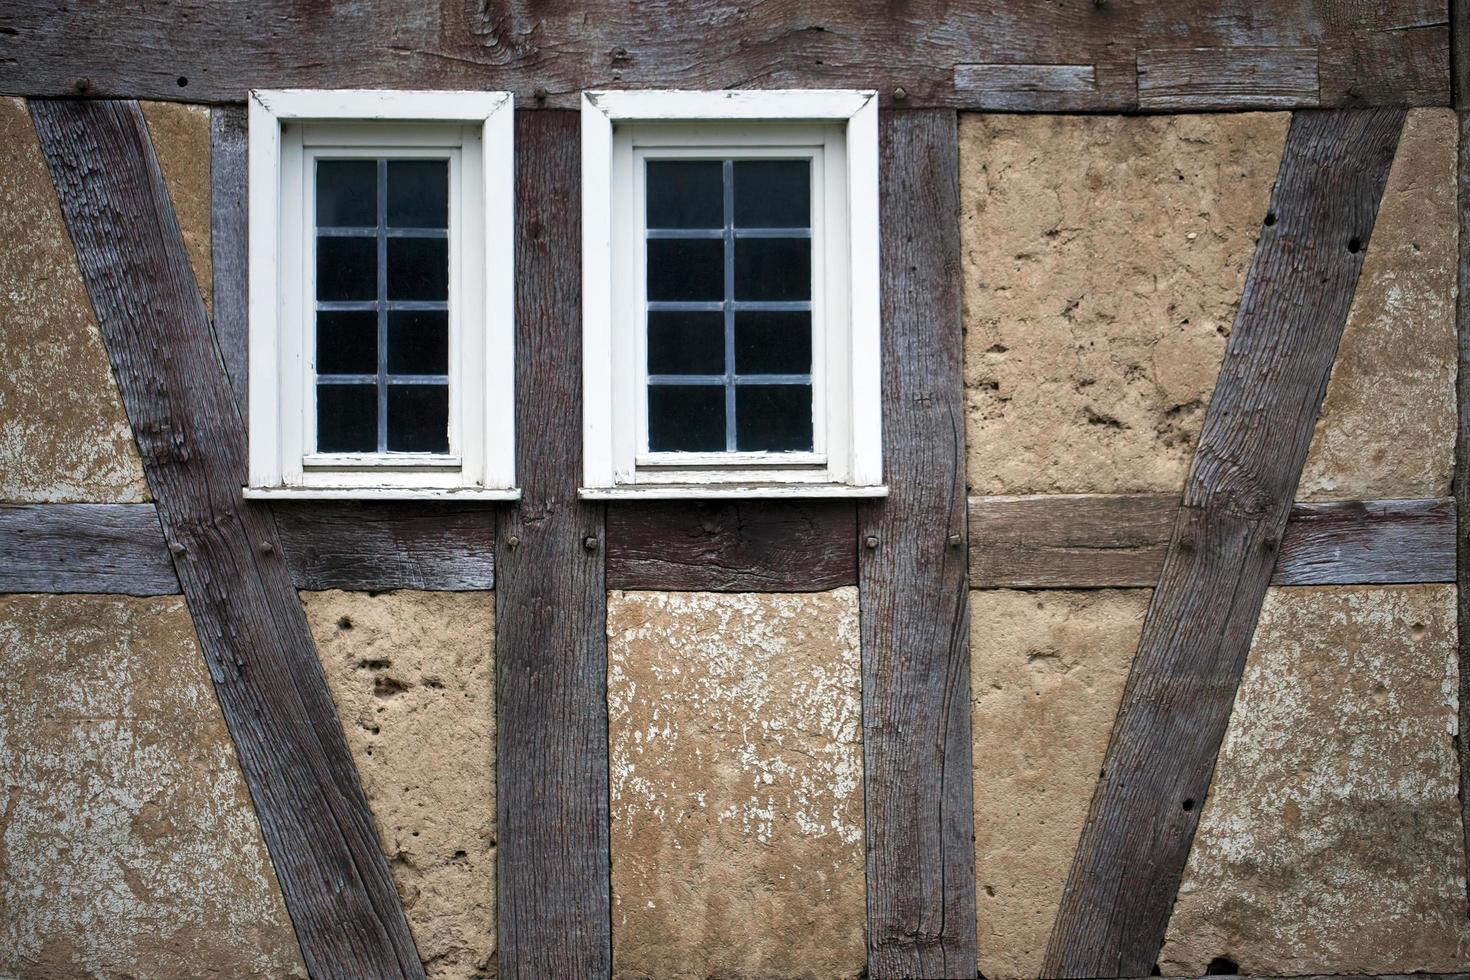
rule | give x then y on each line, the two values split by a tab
378	493
728	491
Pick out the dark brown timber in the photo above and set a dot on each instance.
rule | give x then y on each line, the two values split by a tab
1115	56
110	548
1462	471
443	547
230	240
911	577
553	871
226	552
1198	629
1106	541
732	546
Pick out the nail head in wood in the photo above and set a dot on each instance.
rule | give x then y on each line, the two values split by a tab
871	541
590	542
954	540
514	540
266	547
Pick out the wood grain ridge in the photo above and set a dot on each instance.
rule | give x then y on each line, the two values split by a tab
1198	629
301	775
912	590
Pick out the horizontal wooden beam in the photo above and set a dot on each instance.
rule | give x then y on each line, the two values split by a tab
106	548
1100	541
988	54
443	547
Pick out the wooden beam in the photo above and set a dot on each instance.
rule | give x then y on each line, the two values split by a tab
442	547
1089	541
230	241
911	577
1257	430
553	863
1462	464
105	548
1099	56
251	627
732	546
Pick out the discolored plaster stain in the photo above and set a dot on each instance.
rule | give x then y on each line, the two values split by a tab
63	433
183	144
736	785
1047	671
1387	426
1103	258
413	676
128	843
1331	840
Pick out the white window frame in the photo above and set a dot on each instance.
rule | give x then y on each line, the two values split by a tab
475	132
838	130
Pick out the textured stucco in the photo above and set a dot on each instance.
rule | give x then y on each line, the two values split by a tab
737	809
63	433
1047	671
128	844
1103	261
1387	427
413	675
182	143
1330	842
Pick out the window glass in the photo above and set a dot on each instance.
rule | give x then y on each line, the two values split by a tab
729	289
382	305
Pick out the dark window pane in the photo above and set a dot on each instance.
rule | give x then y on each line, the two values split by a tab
347	342
346	268
686	343
686	269
346	418
773	194
773	268
686	418
418	268
773	418
686	194
347	193
418	418
773	343
418	342
418	193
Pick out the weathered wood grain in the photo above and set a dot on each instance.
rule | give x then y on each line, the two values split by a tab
1257	430
441	547
1012	87
251	627
1184	79
230	241
106	548
732	546
911	576
1462	467
208	51
1459	53
553	863
1091	541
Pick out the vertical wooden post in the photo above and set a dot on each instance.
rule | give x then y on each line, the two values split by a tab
913	590
553	871
1462	473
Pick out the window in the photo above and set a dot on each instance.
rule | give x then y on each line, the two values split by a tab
730	294
381	313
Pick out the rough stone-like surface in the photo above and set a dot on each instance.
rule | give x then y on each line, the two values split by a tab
1104	258
737	807
1387	427
1047	673
63	434
128	844
183	145
413	677
1330	842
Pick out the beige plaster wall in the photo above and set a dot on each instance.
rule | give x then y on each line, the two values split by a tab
1387	427
1047	671
63	433
182	143
737	809
128	843
1330	842
1104	258
413	677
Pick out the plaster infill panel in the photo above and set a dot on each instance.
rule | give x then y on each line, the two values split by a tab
1047	671
1103	259
182	141
63	434
1387	426
1330	842
736	762
128	843
413	676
